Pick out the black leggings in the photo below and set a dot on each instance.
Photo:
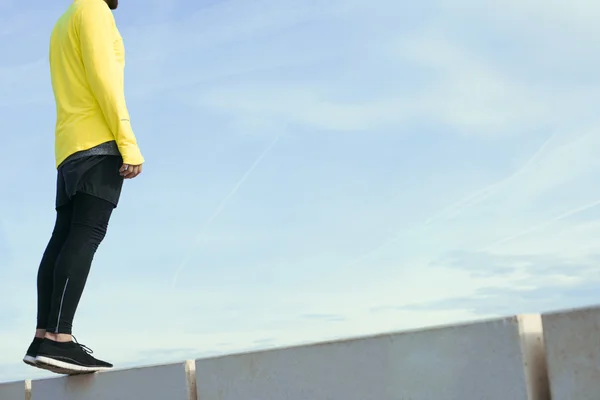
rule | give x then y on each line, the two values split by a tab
79	229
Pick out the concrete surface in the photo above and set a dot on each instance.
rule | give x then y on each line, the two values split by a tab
161	382
572	340
13	391
493	360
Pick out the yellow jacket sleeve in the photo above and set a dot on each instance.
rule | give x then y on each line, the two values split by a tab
98	34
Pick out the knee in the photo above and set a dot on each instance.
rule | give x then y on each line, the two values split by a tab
88	234
60	232
62	226
99	233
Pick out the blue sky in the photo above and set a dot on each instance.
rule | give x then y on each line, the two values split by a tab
315	170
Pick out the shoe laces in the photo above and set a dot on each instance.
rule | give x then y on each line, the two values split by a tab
83	346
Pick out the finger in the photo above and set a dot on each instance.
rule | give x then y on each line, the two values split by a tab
123	168
127	174
134	171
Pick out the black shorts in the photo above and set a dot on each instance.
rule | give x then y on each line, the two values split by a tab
95	175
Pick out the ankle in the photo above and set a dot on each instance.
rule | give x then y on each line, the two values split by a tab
59	337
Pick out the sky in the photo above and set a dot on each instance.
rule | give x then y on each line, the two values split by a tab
316	170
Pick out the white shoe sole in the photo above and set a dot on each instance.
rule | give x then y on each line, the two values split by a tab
30	361
67	368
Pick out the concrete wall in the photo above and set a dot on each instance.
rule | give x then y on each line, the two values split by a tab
162	382
14	390
496	359
573	351
493	360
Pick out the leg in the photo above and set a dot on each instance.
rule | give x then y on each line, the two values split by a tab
89	223
58	352
45	277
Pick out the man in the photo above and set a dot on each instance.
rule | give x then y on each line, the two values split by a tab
95	150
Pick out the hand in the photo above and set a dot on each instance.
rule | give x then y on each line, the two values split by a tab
130	171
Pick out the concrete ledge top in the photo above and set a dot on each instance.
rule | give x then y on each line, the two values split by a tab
521	357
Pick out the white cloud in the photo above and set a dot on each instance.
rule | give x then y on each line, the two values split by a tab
465	89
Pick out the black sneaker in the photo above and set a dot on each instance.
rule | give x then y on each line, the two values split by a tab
69	358
32	352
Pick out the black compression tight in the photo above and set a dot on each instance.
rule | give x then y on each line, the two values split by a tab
79	229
